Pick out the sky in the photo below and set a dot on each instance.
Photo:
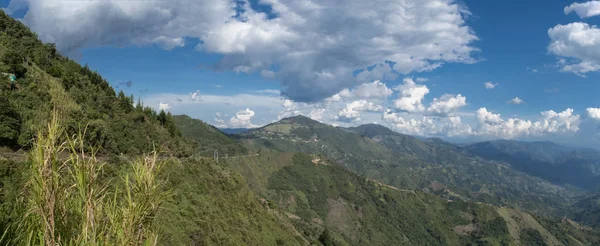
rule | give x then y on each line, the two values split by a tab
460	70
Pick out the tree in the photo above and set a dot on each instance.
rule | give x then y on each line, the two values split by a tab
14	62
10	124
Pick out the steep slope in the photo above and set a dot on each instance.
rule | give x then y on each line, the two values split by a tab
46	81
208	137
209	205
212	205
320	196
552	162
406	162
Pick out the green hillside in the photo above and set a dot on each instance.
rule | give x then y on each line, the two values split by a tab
45	80
556	163
403	161
79	176
208	137
318	195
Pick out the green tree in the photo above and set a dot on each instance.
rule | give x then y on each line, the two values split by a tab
10	123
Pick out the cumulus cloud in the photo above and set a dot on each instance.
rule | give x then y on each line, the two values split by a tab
443	117
219	122
427	125
491	124
584	10
489	85
195	95
315	45
411	96
593	113
516	101
447	104
163	106
578	42
242	119
352	110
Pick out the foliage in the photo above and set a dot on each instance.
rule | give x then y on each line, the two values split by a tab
46	80
66	201
208	137
10	123
532	237
213	206
407	162
550	161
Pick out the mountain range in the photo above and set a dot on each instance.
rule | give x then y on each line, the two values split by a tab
293	182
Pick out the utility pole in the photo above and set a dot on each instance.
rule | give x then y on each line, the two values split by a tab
216	156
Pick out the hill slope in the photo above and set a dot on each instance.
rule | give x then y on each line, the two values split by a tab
209	205
318	194
406	162
46	81
552	162
208	137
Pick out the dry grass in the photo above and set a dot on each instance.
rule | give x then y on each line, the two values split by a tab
66	202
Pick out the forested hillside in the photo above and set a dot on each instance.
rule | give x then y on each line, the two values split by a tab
45	80
406	162
208	137
87	173
556	163
327	203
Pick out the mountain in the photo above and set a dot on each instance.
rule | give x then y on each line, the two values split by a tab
318	195
556	163
406	162
209	138
48	83
56	113
326	202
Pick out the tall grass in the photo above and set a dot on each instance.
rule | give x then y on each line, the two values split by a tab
68	200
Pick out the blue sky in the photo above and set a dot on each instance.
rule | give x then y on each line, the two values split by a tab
246	64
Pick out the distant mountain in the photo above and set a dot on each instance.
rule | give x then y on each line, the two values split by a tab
316	193
234	130
208	137
404	161
556	163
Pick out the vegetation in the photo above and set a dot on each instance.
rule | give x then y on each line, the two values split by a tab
65	200
87	182
403	161
46	80
208	137
550	161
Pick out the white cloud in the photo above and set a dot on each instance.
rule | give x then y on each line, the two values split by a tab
242	119
195	95
269	91
515	100
421	80
443	117
485	117
411	96
219	122
489	85
580	43
593	113
447	104
375	89
163	106
584	10
427	125
352	110
491	124
315	45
